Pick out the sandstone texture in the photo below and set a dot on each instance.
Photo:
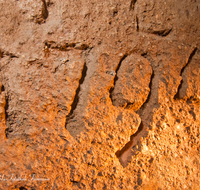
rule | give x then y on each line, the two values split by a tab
132	88
99	94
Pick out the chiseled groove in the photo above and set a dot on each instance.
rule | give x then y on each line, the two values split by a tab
45	12
8	129
177	95
162	33
141	132
116	77
137	23
128	145
132	5
76	98
148	97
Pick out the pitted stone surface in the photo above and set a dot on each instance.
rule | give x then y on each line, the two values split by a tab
75	115
132	85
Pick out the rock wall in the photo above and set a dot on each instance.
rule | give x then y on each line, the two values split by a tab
99	94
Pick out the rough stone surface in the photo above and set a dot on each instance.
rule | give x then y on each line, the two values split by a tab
132	88
99	94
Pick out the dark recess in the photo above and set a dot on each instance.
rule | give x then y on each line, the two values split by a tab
139	180
162	33
137	22
116	77
75	182
1	53
8	129
177	95
45	12
193	114
76	99
140	128
132	5
2	88
147	100
144	125
6	107
148	97
129	144
22	188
